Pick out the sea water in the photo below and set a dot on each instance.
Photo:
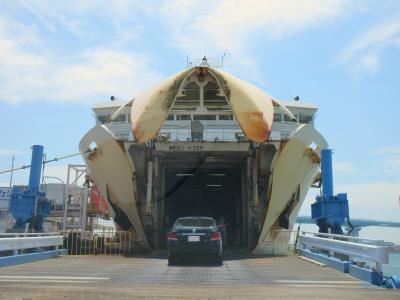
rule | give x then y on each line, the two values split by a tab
388	234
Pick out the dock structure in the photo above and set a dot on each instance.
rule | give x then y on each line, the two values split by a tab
242	276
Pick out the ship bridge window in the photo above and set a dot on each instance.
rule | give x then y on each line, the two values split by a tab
204	117
226	117
183	117
103	119
286	118
170	118
305	119
277	117
120	118
213	100
190	99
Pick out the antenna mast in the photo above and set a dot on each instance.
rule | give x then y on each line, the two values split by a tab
12	170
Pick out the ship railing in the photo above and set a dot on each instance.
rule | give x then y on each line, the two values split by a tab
213	131
354	249
285	129
209	62
184	133
121	130
17	248
98	242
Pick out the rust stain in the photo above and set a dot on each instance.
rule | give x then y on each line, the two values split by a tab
255	126
92	156
136	132
114	198
201	72
121	145
222	82
170	94
314	157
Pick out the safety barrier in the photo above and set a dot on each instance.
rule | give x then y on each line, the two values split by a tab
349	254
98	242
354	248
17	248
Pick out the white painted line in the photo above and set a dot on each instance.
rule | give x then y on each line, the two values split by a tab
321	286
54	277
45	281
317	281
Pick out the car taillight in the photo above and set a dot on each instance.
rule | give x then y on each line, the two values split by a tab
215	236
172	236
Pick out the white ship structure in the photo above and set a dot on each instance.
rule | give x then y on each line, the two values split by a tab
204	142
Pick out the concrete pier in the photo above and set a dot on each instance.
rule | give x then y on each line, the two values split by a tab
240	277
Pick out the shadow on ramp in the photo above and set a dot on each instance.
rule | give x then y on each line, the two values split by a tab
229	254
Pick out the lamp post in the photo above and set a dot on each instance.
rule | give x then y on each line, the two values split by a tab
64	199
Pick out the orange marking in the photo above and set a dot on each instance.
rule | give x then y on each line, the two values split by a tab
255	126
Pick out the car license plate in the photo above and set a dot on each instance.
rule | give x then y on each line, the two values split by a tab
193	238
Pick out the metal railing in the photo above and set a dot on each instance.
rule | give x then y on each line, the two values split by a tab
19	243
184	132
354	248
210	62
213	130
98	242
26	234
121	130
285	128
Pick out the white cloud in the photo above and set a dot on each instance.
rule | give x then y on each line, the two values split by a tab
30	73
364	51
374	200
231	24
220	25
369	62
394	162
236	27
389	166
389	160
35	70
390	150
104	72
81	18
377	200
343	167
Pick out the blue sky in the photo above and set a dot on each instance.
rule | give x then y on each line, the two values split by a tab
60	57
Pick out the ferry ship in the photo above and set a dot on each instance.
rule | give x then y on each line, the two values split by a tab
204	142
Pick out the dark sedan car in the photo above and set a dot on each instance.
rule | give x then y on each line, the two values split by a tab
194	236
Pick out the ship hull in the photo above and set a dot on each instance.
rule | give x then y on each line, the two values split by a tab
257	190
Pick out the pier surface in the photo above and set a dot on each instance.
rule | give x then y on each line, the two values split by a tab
240	277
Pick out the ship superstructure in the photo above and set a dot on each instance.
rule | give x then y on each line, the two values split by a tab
204	142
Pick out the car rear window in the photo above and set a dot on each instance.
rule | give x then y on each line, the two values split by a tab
195	223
